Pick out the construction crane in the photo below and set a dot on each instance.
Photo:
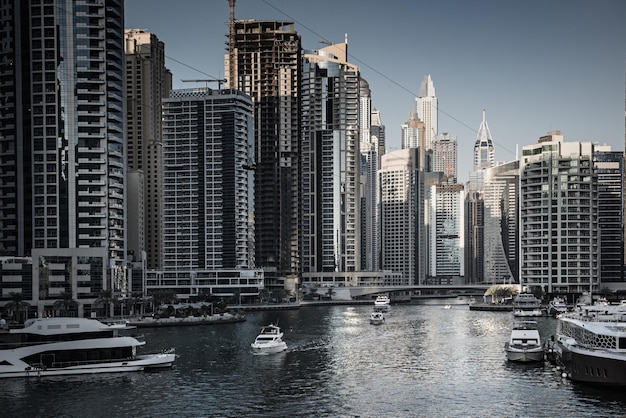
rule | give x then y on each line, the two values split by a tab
232	53
216	80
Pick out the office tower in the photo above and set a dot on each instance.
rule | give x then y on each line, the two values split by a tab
609	167
447	233
445	157
483	148
427	110
372	132
330	161
402	224
377	135
474	238
501	231
411	131
267	68
559	225
147	83
208	143
62	137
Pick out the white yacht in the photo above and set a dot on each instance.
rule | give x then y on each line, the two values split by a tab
524	344
377	318
590	345
269	341
68	346
382	303
557	306
528	312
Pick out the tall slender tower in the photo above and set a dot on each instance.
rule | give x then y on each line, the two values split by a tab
427	110
331	174
62	135
147	83
264	61
483	148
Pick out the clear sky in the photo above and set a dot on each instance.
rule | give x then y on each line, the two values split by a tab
532	65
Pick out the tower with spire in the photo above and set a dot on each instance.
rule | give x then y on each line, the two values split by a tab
483	148
427	109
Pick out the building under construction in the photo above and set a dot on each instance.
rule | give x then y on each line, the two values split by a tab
263	60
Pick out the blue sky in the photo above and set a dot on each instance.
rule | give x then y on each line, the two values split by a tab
533	65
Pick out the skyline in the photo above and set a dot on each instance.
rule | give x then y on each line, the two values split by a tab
532	66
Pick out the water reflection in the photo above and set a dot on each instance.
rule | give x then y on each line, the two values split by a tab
424	361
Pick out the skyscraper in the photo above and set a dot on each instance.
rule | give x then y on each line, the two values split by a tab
411	131
62	137
483	148
330	172
559	230
267	68
372	134
147	83
403	236
208	188
447	232
500	227
427	110
445	157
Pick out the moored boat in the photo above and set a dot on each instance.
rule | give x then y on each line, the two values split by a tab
557	306
524	343
590	345
69	346
269	341
528	312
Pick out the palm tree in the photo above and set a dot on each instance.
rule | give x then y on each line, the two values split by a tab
138	300
105	298
66	303
16	305
264	294
330	292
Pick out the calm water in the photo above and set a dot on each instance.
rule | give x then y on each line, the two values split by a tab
424	361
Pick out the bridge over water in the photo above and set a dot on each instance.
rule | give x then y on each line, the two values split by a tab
360	292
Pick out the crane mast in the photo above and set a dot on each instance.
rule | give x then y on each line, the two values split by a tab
232	54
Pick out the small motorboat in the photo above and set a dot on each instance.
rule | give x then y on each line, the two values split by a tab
269	341
524	345
377	318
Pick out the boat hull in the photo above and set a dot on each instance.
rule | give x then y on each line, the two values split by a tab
525	355
145	362
260	350
591	366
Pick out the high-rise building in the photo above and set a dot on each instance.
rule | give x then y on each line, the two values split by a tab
62	136
208	186
427	110
447	233
445	157
609	167
403	239
147	83
559	224
500	227
474	238
267	68
330	161
411	131
483	148
372	134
